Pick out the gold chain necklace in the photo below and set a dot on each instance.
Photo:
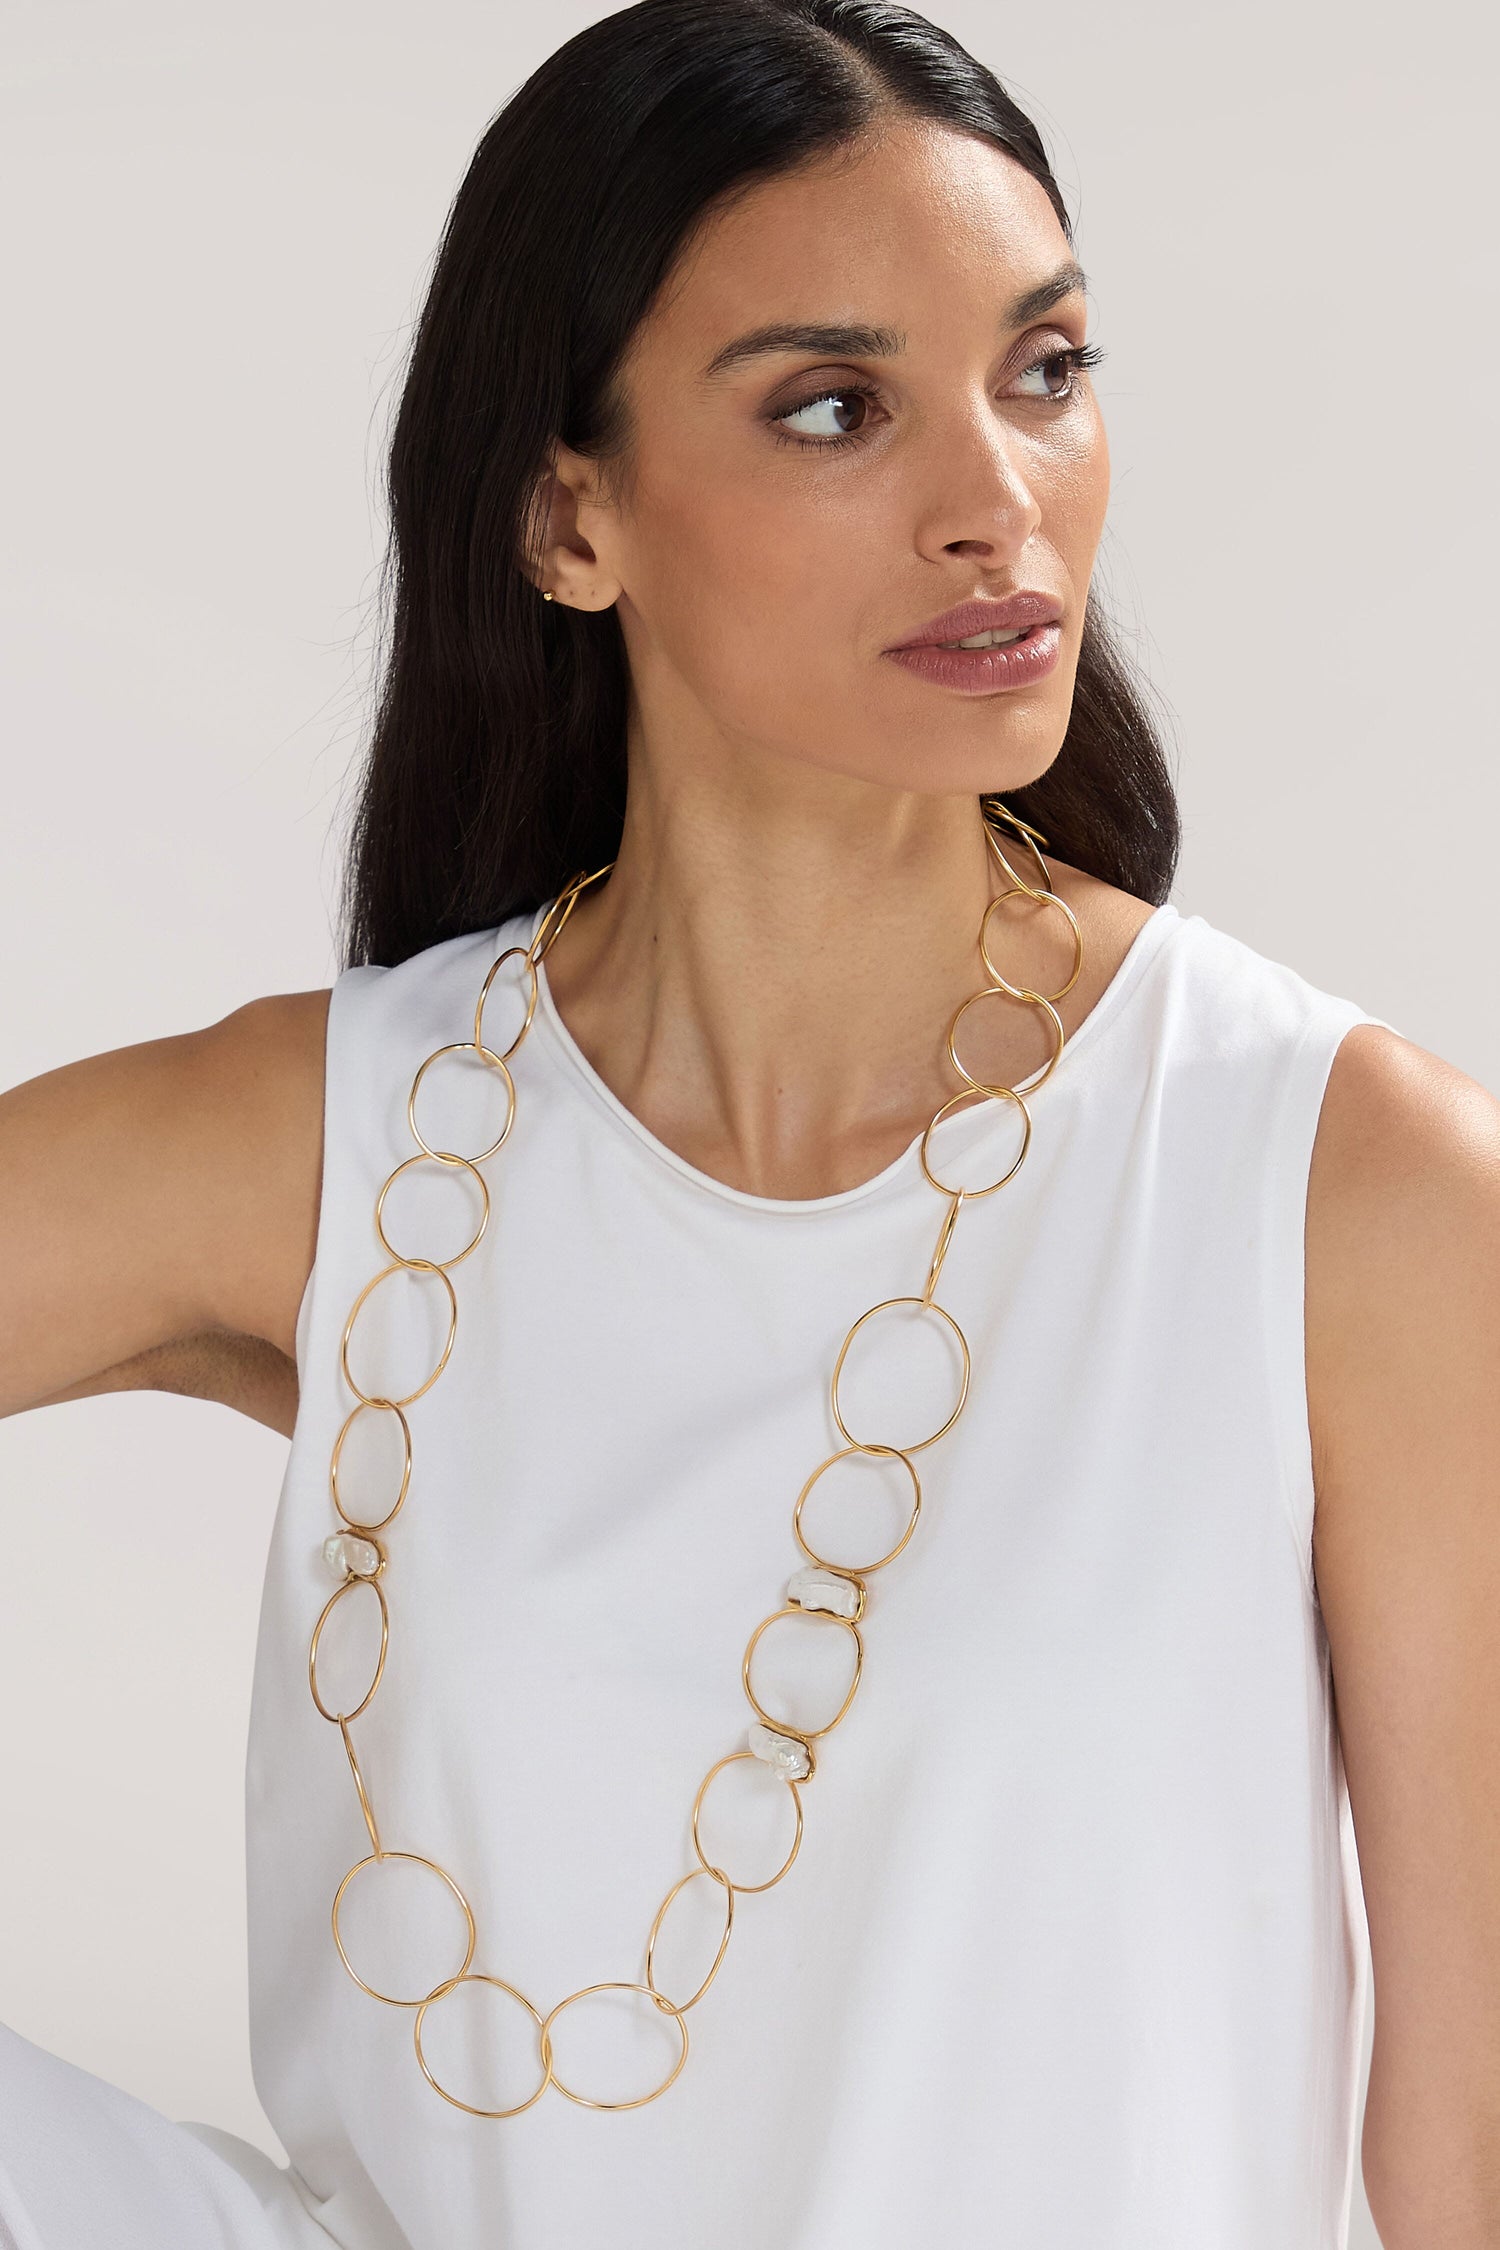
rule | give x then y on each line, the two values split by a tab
828	1592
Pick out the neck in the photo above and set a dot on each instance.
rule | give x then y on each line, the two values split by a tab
767	982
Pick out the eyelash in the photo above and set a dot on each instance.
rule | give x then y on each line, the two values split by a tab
1078	356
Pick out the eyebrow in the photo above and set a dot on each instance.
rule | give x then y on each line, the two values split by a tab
856	341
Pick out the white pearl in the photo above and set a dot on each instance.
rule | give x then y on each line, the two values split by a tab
815	1588
783	1751
347	1554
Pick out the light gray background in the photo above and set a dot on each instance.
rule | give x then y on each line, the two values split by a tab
219	222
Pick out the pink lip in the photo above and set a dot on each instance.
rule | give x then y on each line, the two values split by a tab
968	618
981	671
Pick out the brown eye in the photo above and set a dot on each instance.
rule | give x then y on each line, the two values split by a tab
1068	361
829	418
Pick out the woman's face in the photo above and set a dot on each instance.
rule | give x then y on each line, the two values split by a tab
795	506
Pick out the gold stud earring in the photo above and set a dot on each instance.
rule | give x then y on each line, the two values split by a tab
546	597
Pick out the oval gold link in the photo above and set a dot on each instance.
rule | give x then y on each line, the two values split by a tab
883	1306
975	1195
819	1617
1043	898
786	1781
367	1526
680	2007
359	1782
390	1999
448	1155
554	921
1031	838
662	2005
399	1265
860	1569
350	1586
438	1265
503	1054
451	1984
945	1236
996	992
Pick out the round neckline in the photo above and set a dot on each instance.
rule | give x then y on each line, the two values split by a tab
1143	948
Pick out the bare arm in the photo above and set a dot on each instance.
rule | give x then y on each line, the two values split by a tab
158	1215
1403	1342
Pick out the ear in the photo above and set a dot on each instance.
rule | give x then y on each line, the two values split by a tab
567	563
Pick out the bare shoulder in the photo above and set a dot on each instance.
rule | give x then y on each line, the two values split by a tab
1404	1138
158	1212
1403	1254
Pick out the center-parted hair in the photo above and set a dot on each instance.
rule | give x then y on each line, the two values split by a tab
496	766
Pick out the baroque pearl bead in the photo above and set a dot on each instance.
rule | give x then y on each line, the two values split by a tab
783	1751
813	1587
347	1554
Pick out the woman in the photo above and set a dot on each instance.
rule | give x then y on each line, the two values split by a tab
758	918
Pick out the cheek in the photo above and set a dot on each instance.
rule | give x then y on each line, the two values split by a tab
748	588
1072	487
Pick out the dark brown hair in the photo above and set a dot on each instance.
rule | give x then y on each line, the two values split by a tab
496	765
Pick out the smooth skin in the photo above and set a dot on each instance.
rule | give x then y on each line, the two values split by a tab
766	977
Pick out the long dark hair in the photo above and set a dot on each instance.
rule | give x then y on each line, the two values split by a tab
496	765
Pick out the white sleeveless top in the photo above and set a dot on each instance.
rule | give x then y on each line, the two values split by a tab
1072	1953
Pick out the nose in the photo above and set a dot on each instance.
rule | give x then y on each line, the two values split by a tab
977	499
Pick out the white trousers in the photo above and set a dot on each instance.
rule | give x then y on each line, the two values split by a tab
86	2166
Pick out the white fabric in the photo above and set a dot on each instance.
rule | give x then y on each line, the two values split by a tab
1072	1953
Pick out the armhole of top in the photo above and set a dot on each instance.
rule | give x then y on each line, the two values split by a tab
1291	1134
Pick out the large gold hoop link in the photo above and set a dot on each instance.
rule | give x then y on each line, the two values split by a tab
1020	991
663	2007
708	1865
922	1306
820	1617
829	1591
341	1593
451	1984
399	1265
448	1155
368	1523
713	1874
859	1569
969	1094
998	992
441	1265
416	1859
